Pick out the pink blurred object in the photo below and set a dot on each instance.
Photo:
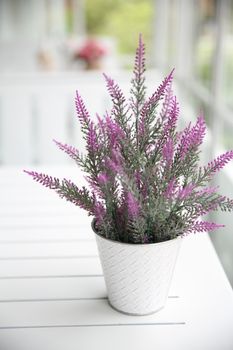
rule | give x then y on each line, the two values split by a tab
91	52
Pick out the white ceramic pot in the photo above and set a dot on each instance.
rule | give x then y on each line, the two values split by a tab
137	276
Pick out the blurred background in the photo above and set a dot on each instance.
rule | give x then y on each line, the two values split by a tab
50	48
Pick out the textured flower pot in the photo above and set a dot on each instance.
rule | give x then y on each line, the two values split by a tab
137	276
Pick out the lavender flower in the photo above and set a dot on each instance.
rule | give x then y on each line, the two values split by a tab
172	116
167	103
103	179
138	90
171	189
204	226
45	180
82	113
185	192
144	183
144	123
132	205
198	132
99	211
114	131
153	101
114	162
66	189
139	64
219	163
207	191
70	150
168	151
92	139
138	179
192	137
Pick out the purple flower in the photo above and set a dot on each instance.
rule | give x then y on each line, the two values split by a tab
82	112
43	179
116	95
167	103
141	128
94	185
169	125
168	151
114	89
65	189
192	137
198	132
92	140
70	150
204	226
219	163
184	142
185	192
152	102
171	189
207	191
172	116
112	165
138	89
139	64
103	178
114	162
99	211
213	205
132	205
114	131
137	176
101	123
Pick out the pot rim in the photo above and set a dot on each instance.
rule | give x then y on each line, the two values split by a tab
132	244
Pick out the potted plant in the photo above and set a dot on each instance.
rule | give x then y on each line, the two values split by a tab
145	190
91	53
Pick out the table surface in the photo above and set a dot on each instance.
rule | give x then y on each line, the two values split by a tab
52	292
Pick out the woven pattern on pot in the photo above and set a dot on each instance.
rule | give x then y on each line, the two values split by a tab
138	276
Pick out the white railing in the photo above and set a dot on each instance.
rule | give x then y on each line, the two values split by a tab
36	108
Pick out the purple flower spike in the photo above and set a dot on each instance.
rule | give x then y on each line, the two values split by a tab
186	191
219	163
82	112
114	162
139	65
138	179
65	189
103	179
114	131
204	226
167	103
99	211
43	179
192	137
157	95
168	151
70	150
207	191
173	114
115	92
101	123
133	205
171	189
92	142
198	132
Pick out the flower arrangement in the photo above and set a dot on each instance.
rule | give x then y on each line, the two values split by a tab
145	183
91	52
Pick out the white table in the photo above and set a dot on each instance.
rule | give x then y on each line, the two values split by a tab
52	292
